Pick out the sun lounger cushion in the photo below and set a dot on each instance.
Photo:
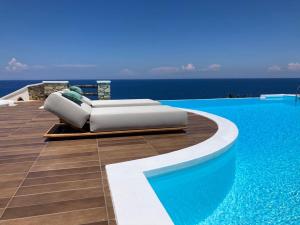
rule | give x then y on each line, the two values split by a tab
70	112
73	96
76	89
118	103
123	103
139	117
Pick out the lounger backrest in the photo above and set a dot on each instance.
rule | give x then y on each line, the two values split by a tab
67	110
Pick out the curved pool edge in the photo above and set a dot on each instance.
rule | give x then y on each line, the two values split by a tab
134	200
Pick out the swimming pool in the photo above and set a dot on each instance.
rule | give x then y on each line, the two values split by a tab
256	182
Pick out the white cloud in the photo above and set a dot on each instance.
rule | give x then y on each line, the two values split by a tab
15	66
274	68
164	70
212	67
294	66
126	71
184	69
189	67
76	65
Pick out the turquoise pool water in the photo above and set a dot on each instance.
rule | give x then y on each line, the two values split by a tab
256	182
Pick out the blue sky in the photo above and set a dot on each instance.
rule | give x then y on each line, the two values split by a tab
149	39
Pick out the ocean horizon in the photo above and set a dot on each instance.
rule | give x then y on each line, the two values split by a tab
166	89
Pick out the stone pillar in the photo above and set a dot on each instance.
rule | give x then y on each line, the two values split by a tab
103	89
36	92
53	86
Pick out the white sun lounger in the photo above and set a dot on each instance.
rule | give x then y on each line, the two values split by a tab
113	120
138	117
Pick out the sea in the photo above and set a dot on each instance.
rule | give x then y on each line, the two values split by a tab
180	88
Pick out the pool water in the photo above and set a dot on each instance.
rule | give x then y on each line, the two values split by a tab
256	182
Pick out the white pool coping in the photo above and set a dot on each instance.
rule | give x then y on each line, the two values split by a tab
134	200
275	96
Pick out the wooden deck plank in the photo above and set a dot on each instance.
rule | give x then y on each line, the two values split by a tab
64	181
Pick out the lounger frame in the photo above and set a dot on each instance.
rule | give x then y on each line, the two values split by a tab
82	133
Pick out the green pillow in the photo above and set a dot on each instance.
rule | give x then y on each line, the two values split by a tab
76	89
73	96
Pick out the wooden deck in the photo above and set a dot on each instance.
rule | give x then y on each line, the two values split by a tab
64	182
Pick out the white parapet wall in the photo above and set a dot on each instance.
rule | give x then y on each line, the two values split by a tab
36	91
40	91
20	94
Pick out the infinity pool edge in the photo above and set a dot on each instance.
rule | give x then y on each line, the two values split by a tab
134	200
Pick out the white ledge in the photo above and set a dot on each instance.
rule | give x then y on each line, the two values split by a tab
134	200
103	81
276	96
55	82
22	92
